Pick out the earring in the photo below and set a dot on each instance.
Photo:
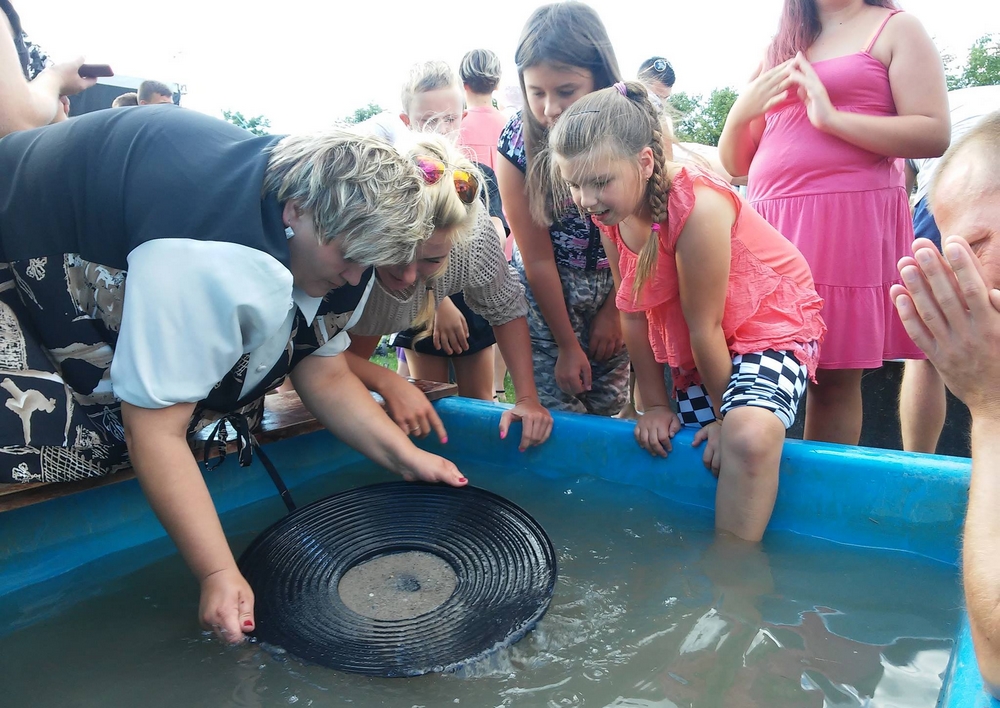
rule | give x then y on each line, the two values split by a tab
288	232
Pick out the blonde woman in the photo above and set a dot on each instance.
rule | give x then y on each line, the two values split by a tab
228	243
462	255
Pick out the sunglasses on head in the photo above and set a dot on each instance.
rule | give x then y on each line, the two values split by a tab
660	65
466	184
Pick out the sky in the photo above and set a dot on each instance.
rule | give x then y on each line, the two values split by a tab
307	63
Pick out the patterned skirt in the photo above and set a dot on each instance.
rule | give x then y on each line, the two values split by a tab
59	420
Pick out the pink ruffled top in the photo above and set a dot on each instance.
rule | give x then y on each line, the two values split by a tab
771	302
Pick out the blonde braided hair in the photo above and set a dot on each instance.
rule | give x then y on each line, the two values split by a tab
623	121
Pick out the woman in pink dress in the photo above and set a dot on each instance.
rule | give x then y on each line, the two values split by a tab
847	88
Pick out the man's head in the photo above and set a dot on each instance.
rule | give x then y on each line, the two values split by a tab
965	194
658	76
125	100
153	92
433	100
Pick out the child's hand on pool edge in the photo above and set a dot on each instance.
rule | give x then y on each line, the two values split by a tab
655	428
713	448
536	422
226	606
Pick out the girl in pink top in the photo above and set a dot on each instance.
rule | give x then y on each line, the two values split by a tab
847	88
705	286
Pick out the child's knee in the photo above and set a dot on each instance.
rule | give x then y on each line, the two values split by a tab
752	439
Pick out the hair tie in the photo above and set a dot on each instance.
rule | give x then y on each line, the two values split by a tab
655	227
622	88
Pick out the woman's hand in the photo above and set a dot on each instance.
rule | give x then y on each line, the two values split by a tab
422	466
713	449
606	332
812	93
226	606
451	331
762	94
66	75
410	410
536	422
573	375
655	428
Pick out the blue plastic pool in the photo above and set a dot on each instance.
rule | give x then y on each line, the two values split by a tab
860	497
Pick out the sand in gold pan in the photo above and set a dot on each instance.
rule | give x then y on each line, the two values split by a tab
398	586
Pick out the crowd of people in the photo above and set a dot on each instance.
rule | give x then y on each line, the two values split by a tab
573	242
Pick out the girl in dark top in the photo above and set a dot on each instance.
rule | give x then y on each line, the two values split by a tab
579	357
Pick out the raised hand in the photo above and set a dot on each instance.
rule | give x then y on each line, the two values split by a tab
811	92
954	317
763	93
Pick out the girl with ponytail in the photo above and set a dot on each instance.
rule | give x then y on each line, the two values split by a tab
705	286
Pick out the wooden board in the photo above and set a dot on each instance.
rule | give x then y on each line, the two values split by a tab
284	417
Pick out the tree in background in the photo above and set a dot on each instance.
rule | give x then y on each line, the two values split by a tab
258	125
700	120
362	114
982	67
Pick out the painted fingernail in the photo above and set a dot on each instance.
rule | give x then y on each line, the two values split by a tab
247	623
444	440
503	434
463	480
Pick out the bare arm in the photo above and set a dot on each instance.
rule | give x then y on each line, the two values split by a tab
535	245
343	405
658	424
980	569
573	374
32	105
703	259
514	341
173	484
951	314
922	126
648	372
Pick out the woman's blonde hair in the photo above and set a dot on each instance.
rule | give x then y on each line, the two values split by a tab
357	189
448	212
619	121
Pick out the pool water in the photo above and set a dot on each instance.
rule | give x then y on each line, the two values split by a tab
649	611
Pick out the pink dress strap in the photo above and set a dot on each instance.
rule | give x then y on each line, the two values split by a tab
878	32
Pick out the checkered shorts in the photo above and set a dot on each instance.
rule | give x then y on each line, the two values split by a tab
769	379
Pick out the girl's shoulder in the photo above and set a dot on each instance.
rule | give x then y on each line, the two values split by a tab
687	182
511	142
